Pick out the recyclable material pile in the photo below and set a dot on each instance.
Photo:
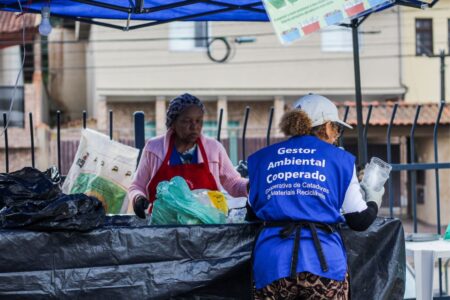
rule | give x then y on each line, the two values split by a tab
176	204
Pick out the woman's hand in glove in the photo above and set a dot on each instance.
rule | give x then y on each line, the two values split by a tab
242	168
371	195
140	204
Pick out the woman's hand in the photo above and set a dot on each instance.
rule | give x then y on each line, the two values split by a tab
140	204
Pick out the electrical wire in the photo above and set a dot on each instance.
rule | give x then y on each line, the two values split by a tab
250	47
209	64
165	38
13	97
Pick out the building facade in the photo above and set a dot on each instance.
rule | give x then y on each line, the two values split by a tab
21	92
108	70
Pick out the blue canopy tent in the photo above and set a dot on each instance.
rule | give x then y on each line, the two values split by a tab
165	11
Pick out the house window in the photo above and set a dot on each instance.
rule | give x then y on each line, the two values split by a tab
188	36
28	66
424	36
336	39
210	128
201	34
17	115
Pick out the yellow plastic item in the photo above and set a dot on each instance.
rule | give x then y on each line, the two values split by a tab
219	201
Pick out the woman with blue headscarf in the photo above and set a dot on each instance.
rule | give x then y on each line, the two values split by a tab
183	151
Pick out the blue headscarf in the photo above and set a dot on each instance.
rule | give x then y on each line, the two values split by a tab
180	103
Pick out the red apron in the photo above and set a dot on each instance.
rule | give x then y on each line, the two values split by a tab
197	176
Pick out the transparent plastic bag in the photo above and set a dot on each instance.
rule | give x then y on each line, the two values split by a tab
214	198
176	204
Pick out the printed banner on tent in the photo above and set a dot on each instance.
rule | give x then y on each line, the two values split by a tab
294	19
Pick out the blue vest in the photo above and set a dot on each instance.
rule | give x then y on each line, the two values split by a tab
300	179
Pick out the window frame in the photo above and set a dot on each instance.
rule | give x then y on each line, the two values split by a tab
187	45
423	31
18	108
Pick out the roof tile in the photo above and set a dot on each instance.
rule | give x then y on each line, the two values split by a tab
12	22
382	112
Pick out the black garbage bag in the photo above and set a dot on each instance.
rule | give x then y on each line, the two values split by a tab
66	212
28	185
33	200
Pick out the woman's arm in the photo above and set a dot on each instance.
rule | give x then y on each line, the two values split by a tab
230	179
358	213
360	221
142	177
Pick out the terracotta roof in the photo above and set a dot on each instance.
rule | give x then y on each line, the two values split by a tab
382	111
12	22
11	25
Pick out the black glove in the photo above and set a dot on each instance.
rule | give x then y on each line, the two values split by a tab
242	168
140	204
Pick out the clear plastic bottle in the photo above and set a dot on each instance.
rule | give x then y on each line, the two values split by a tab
375	174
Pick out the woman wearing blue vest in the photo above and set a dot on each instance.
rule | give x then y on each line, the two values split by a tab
302	188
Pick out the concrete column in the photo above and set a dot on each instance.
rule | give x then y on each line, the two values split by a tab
39	115
42	143
101	113
36	105
222	103
160	115
278	105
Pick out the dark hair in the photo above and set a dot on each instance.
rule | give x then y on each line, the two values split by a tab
178	104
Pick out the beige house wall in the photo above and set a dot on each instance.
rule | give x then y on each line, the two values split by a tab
67	76
427	212
421	76
139	66
421	73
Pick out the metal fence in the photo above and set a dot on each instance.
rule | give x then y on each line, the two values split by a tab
411	168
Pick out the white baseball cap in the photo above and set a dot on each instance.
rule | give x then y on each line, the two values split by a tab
319	109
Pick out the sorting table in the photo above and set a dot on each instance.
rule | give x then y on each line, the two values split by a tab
425	255
128	260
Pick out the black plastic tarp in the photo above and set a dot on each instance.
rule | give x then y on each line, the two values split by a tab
377	262
125	260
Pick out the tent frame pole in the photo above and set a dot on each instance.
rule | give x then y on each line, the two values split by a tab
362	151
139	8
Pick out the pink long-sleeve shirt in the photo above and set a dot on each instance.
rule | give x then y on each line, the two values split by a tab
220	166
